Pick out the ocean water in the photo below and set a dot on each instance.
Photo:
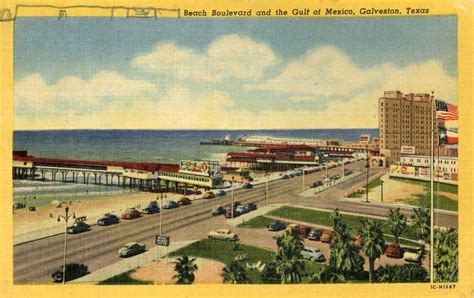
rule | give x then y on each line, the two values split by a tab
161	146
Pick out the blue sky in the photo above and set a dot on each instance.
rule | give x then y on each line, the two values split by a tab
97	53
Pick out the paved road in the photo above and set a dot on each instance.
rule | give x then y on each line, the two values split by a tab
35	261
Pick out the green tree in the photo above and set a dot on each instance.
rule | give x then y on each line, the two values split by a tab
397	223
404	273
185	268
326	275
344	257
289	261
373	243
269	273
445	256
235	273
421	221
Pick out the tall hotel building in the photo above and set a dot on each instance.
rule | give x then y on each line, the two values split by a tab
405	120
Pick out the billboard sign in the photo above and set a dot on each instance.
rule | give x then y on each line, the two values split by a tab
199	167
162	240
407	150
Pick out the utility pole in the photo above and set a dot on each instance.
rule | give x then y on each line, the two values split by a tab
232	207
367	185
66	219
381	190
303	178
161	211
267	176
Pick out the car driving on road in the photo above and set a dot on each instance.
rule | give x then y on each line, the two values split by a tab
78	227
73	271
151	208
218	210
131	213
170	205
108	219
131	249
184	201
223	234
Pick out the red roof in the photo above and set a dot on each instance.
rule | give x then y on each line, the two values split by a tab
284	147
141	166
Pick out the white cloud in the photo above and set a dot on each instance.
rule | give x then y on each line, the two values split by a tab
328	72
227	57
33	93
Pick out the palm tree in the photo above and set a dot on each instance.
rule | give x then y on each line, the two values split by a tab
185	268
344	258
446	256
289	261
397	223
421	220
235	273
373	243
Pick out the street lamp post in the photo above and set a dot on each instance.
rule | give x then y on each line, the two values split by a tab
267	176
161	211
233	198
66	219
303	178
367	184
381	190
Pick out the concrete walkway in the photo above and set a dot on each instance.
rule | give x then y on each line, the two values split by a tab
127	264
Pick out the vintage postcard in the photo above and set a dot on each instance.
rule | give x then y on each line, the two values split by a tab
235	148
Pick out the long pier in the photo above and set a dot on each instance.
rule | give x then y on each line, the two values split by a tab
153	177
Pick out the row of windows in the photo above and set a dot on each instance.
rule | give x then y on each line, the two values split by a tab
188	177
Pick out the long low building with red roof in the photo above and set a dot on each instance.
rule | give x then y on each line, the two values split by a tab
147	176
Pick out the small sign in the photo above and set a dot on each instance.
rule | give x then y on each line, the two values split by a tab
162	240
407	150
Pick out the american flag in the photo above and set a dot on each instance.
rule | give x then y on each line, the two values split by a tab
446	111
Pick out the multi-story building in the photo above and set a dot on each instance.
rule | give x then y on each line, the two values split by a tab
405	120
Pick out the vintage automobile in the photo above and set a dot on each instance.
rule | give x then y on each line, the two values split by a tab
223	234
242	209
313	254
221	193
151	208
218	210
394	251
251	206
304	231
131	213
170	205
247	186
131	249
413	254
184	201
73	271
228	213
315	234
108	219
78	227
209	195
276	226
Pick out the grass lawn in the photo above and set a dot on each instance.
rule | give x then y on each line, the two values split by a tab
257	223
440	202
437	186
124	279
375	183
323	218
224	252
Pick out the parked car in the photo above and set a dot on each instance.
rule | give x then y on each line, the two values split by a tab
218	210
242	209
223	234
221	193
394	251
327	236
131	249
412	254
247	186
251	206
292	227
304	231
170	205
78	227
276	226
315	234
151	208
131	213
108	219
73	271
184	201
237	204
209	195
313	254
285	176
317	184
228	213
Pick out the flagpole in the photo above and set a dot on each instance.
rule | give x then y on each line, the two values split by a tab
431	191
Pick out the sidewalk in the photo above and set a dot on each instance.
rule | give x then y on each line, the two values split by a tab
125	265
